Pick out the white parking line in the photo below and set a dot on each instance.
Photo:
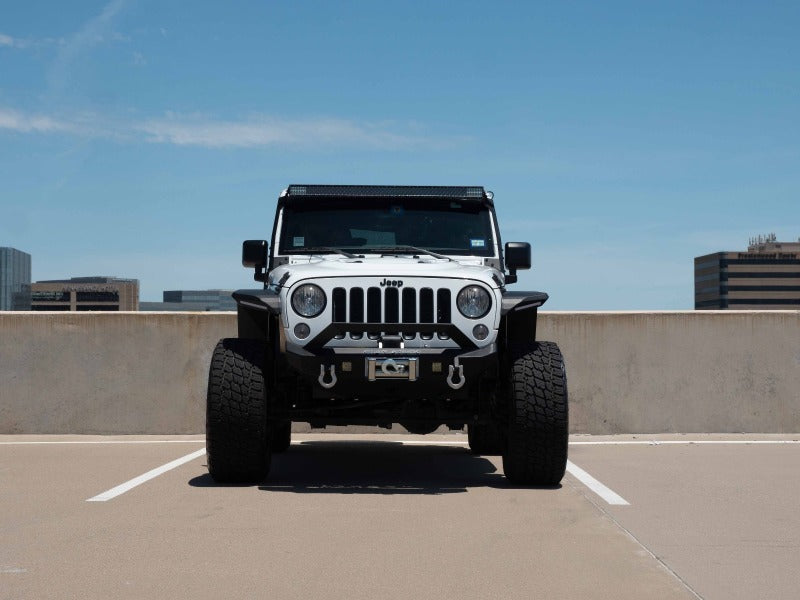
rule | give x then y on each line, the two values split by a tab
606	493
679	442
51	443
128	485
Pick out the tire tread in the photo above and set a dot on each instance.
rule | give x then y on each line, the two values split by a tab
237	444
538	426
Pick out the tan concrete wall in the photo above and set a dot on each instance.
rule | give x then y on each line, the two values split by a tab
705	371
106	372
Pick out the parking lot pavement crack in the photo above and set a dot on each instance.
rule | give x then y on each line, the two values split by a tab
582	491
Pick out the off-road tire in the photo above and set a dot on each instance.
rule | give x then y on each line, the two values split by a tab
485	439
237	432
281	436
538	420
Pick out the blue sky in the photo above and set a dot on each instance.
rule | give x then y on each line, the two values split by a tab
147	139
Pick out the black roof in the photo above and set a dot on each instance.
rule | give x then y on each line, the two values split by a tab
388	191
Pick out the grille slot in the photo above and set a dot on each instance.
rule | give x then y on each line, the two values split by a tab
409	309
426	310
357	305
339	305
391	308
443	306
443	309
374	309
356	309
409	305
391	311
339	301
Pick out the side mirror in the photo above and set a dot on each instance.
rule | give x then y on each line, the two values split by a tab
254	256
518	256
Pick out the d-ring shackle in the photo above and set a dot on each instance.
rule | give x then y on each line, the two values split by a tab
461	379
321	378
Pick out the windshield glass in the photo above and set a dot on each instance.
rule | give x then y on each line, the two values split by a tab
375	225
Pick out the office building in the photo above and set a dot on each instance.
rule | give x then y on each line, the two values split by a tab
766	277
193	300
15	279
86	294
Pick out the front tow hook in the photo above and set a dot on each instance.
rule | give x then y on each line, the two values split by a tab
321	378
461	380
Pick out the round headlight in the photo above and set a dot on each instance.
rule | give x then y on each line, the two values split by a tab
308	300
473	302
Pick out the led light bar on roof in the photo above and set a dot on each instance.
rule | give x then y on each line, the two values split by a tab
387	191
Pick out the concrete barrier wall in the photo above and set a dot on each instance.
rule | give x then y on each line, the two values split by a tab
107	372
628	372
680	372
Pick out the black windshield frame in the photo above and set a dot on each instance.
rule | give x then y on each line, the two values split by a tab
455	227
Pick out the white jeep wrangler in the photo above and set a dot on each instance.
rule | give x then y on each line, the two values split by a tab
383	305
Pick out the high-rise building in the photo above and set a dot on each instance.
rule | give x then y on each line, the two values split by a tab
766	277
193	300
86	293
15	279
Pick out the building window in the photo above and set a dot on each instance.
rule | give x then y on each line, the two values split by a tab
763	288
787	275
708	290
709	277
97	296
760	261
706	265
50	296
773	301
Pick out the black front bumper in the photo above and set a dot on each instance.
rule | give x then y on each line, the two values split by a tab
440	372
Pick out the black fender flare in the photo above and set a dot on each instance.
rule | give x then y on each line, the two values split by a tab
518	312
258	313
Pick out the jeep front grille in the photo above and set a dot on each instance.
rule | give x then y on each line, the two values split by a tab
391	305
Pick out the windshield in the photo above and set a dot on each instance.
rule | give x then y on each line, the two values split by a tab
379	225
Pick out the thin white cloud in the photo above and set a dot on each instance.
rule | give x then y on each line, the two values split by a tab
265	131
12	42
257	131
8	41
94	31
23	123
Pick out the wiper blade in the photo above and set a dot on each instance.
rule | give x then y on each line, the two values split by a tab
408	250
318	249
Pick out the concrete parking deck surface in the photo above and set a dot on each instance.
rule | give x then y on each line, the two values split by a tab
383	516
